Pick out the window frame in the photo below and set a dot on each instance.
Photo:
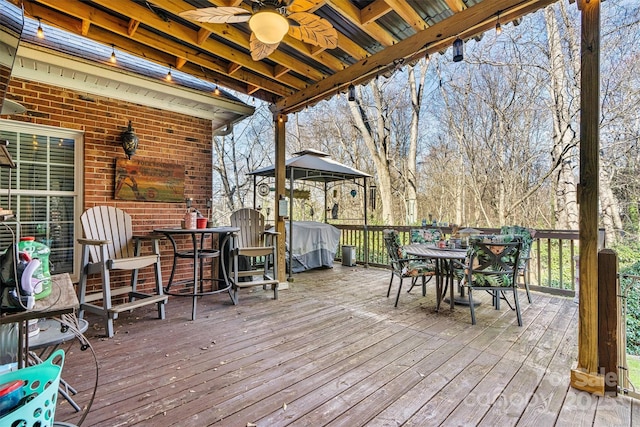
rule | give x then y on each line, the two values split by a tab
78	173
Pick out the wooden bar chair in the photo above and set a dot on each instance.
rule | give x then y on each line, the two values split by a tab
109	244
257	247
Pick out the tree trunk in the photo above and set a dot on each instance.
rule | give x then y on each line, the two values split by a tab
377	142
564	135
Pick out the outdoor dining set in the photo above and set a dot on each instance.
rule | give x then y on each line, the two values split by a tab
496	263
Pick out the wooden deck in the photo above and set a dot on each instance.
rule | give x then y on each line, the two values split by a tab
332	350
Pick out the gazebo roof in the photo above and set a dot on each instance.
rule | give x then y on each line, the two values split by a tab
313	165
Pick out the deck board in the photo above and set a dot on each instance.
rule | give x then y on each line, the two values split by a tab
332	350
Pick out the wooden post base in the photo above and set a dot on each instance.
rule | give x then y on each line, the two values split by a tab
586	381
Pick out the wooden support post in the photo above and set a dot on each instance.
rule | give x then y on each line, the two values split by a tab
280	175
608	315
585	376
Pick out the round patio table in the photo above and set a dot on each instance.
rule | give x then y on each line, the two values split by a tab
197	254
444	259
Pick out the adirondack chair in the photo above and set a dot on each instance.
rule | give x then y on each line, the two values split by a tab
109	244
258	247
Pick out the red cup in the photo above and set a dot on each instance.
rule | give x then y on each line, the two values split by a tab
201	222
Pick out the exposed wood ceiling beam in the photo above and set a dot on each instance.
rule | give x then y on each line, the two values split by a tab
374	11
83	11
468	23
115	33
85	27
349	11
456	5
133	26
190	36
240	38
408	13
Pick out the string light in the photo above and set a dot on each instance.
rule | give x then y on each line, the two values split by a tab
498	26
40	32
427	58
169	77
352	93
113	54
458	50
216	91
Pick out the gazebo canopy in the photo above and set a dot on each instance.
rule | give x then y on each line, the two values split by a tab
313	165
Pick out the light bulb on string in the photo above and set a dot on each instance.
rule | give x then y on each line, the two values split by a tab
113	59
169	77
498	28
40	32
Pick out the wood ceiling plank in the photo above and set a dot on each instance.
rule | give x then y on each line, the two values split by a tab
51	17
180	62
374	11
469	22
238	37
326	59
114	32
85	27
279	71
109	22
133	26
408	14
349	11
203	34
252	89
233	67
456	5
351	47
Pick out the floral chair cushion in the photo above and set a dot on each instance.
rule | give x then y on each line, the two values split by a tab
425	235
526	236
408	267
493	263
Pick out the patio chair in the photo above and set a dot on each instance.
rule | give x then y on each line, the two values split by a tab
258	247
425	236
526	234
109	244
403	267
493	267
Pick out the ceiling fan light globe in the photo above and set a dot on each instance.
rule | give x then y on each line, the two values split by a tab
269	26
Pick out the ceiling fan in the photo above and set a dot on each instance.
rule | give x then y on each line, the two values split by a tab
270	21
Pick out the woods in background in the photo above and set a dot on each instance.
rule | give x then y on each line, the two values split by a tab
488	141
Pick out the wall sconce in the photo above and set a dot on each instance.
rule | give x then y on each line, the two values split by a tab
458	50
129	141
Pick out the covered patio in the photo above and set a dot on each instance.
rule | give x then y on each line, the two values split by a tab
333	351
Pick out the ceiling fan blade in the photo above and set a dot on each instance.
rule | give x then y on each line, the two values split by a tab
303	5
313	30
217	15
260	50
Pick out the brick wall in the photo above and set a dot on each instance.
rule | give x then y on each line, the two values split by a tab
163	136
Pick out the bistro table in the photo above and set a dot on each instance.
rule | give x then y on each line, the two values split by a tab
444	260
198	254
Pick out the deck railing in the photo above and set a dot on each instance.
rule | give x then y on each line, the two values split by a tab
552	267
629	292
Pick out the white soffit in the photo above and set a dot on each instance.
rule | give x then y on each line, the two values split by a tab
66	71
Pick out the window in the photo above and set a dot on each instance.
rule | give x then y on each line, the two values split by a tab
45	188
